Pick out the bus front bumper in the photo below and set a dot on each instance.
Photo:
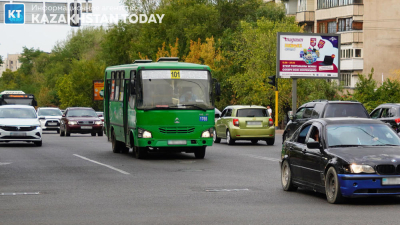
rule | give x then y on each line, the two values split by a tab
155	143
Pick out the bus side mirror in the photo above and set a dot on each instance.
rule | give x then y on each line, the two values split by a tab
217	89
133	90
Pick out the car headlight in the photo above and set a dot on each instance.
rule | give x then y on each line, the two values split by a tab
72	123
206	134
98	122
144	133
361	168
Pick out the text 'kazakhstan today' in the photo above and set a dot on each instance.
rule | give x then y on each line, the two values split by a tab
97	18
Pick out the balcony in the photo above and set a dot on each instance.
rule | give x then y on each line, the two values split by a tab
351	37
356	11
306	16
352	64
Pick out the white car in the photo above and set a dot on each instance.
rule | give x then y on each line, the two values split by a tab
49	118
19	123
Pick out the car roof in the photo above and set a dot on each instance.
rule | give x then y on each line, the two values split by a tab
17	106
245	106
346	120
390	104
48	108
309	104
69	108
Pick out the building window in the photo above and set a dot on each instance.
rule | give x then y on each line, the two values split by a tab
302	5
325	4
332	27
345	79
345	24
322	28
358	53
11	62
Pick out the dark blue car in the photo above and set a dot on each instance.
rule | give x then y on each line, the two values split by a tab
343	158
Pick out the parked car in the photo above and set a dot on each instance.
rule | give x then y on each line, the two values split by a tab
49	118
323	109
81	120
19	123
342	157
245	122
388	113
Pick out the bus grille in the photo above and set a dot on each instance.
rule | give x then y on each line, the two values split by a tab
176	130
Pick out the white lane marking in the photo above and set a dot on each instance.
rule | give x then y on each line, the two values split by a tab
263	158
226	190
111	167
3	164
21	193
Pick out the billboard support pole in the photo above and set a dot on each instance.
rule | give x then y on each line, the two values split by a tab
294	95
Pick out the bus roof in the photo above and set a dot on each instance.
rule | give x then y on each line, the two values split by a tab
161	65
8	92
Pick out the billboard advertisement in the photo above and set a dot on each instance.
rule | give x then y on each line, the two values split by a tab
98	90
302	55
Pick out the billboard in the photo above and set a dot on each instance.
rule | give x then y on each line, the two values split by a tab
303	55
98	90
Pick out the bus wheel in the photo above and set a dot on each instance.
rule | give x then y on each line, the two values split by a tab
200	152
140	152
114	143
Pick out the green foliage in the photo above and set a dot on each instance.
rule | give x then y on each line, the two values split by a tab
1	60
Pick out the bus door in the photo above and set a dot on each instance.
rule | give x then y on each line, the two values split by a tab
107	95
125	109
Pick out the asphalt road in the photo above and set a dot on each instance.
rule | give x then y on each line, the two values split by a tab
78	180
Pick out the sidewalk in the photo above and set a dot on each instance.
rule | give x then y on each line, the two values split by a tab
279	131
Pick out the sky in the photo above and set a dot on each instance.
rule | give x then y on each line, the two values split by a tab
45	36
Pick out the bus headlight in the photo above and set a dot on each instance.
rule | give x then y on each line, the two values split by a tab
206	134
144	133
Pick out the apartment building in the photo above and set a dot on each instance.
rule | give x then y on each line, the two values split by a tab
11	62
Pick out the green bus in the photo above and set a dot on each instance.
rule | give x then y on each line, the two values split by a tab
163	106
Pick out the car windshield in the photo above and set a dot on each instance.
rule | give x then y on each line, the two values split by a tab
49	112
252	113
361	135
190	89
20	113
345	110
81	113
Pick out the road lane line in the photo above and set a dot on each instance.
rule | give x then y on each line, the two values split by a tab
111	167
263	158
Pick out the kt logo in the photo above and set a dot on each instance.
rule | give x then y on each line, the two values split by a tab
14	13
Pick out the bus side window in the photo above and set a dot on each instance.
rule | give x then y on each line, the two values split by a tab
112	85
121	85
132	93
117	82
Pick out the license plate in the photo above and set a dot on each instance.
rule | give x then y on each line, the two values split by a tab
253	122
52	124
18	134
391	181
86	127
177	142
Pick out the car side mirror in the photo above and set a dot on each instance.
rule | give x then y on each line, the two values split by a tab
42	118
290	115
313	145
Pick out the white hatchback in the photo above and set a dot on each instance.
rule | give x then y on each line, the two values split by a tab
19	123
49	118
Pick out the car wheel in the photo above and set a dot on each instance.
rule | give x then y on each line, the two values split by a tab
93	134
114	143
286	177
140	152
270	141
215	138
67	133
58	131
38	143
229	139
254	142
100	133
332	187
200	152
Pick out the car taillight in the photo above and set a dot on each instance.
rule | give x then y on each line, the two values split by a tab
397	120
236	122
270	122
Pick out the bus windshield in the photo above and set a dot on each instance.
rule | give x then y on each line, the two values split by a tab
183	89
